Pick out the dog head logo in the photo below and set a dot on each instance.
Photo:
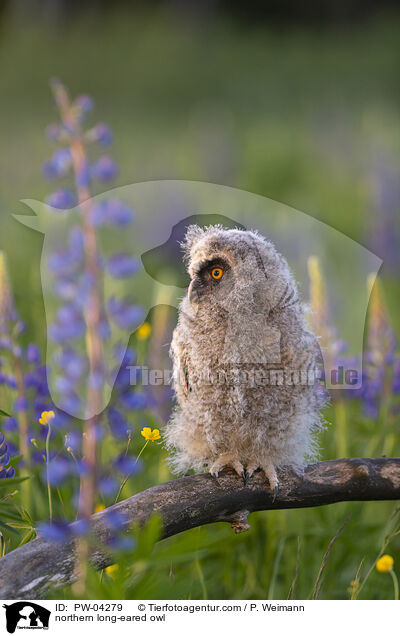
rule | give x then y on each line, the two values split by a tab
26	615
106	263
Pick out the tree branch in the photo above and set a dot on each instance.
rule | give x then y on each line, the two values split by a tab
193	501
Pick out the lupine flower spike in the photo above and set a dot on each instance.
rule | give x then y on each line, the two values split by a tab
5	473
82	333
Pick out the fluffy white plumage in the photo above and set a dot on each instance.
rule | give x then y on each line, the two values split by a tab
243	360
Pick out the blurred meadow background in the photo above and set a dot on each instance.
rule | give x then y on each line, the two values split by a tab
302	108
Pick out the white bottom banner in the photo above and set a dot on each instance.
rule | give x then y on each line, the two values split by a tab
151	617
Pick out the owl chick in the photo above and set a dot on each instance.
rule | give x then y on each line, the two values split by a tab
243	360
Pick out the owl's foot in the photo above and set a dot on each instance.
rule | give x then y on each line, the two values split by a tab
269	471
224	460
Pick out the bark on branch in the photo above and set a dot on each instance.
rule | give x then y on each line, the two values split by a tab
185	503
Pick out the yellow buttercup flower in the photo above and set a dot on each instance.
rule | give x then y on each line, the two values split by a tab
112	570
99	508
46	417
144	331
385	563
150	435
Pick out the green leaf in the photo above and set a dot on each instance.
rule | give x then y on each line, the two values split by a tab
5	526
8	483
31	534
14	461
4	413
10	515
26	516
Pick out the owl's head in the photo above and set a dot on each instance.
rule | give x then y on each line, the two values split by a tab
238	270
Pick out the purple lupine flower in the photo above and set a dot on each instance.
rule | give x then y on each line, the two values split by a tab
58	531
101	134
7	473
70	402
83	468
59	165
3	445
54	132
122	543
32	353
63	262
20	325
21	404
108	486
111	212
75	284
80	528
84	103
5	343
65	288
57	471
104	169
85	285
11	382
134	400
122	265
383	234
66	332
124	314
76	243
39	406
126	465
17	351
5	456
118	423
73	440
10	472
31	389
12	449
96	380
65	384
62	199
104	329
39	382
74	364
396	375
115	519
69	325
379	358
10	424
83	176
38	457
67	314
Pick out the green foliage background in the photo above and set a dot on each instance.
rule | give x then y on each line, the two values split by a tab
293	114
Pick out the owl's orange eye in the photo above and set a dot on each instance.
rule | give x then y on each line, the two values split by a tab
217	273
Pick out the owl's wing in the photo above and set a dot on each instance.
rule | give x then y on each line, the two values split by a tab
304	354
179	353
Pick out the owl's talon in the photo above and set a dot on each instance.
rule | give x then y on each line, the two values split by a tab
223	461
276	490
245	477
269	472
